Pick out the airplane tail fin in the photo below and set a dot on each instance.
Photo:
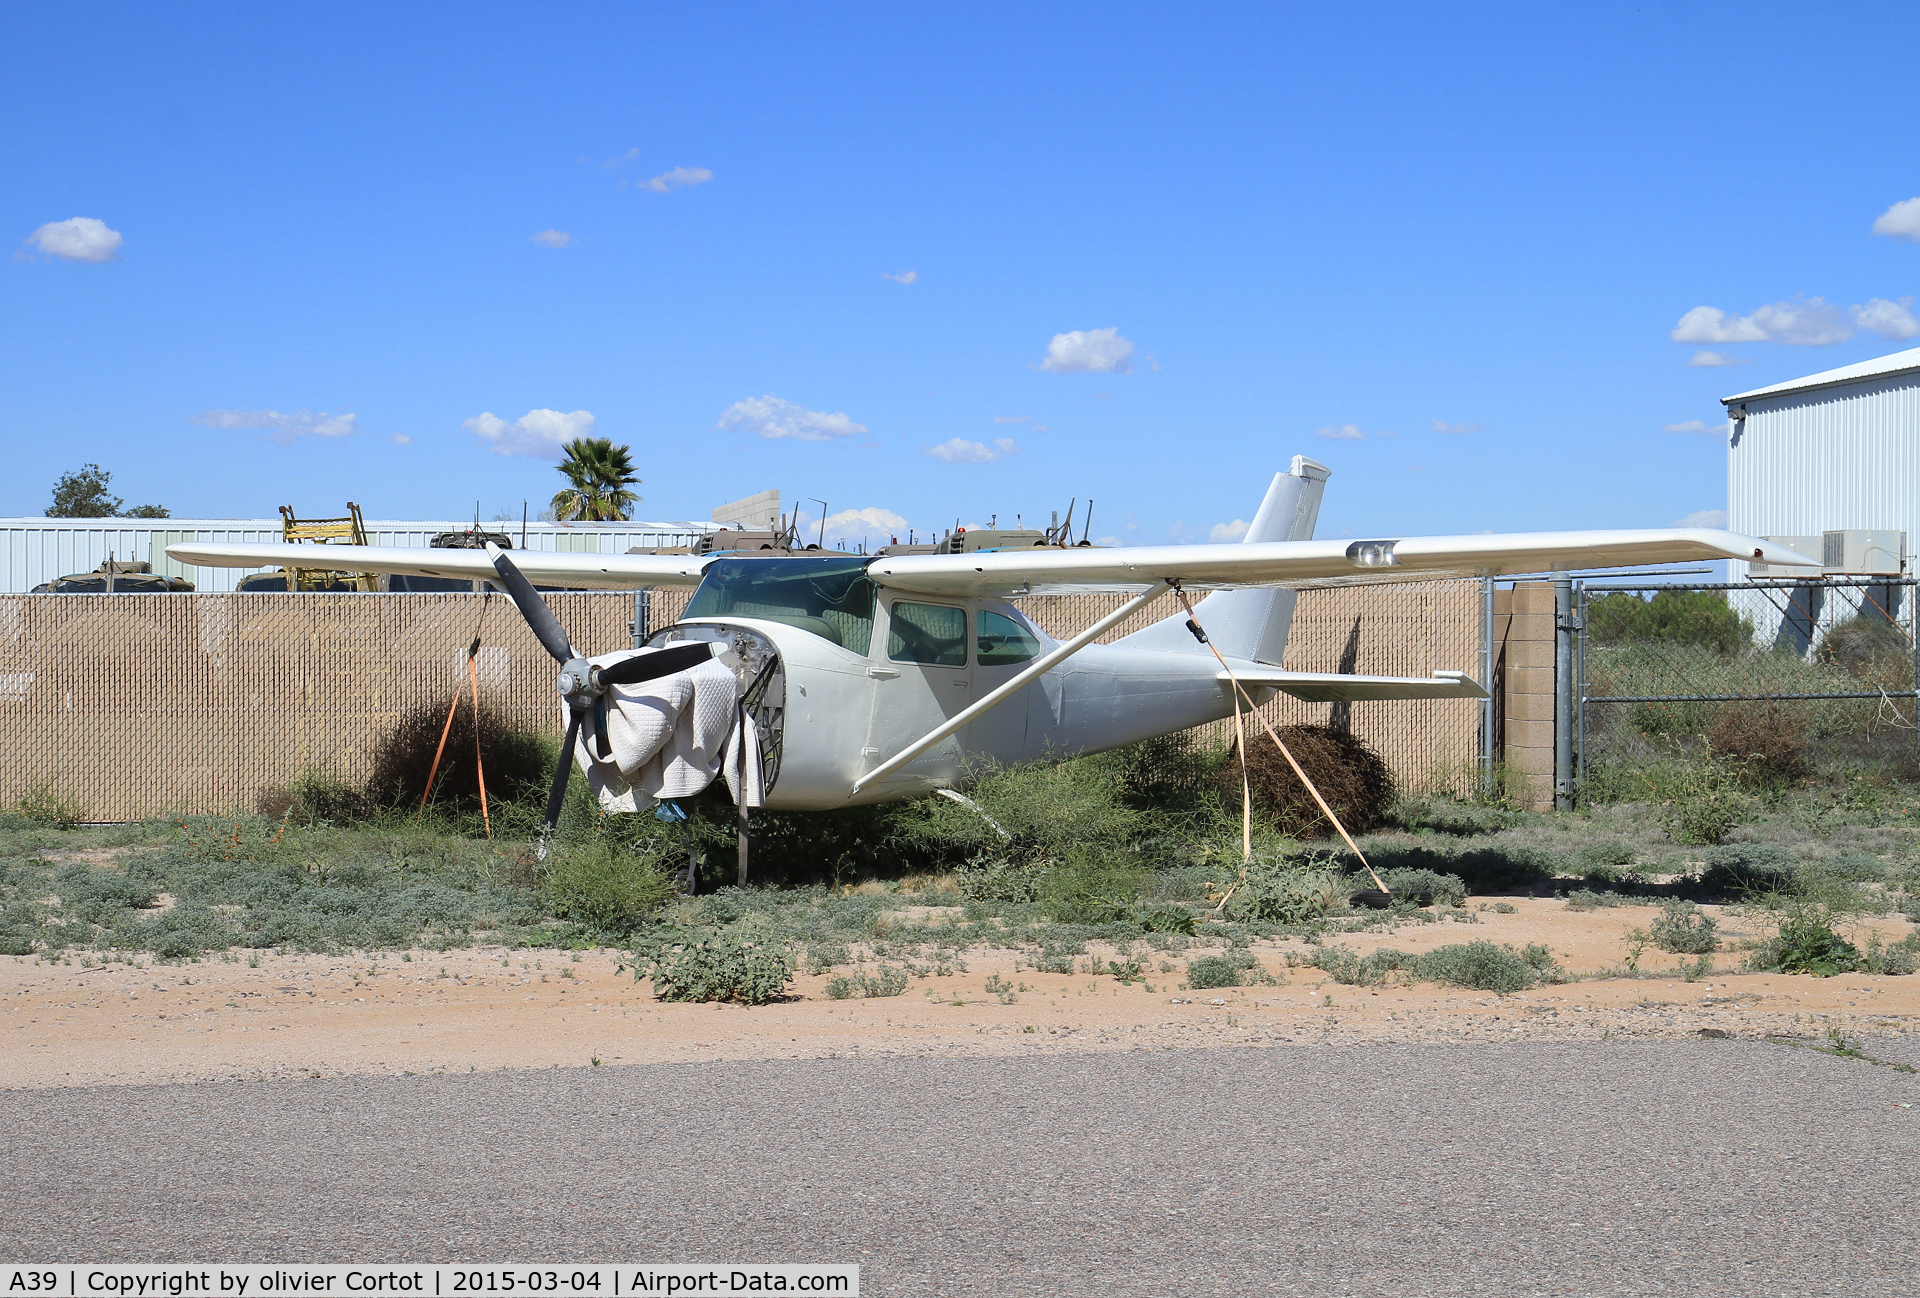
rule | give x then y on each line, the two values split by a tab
1253	623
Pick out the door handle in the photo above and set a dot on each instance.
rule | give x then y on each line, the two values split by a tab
883	673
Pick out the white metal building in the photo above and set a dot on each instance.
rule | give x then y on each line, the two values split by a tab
1834	452
36	550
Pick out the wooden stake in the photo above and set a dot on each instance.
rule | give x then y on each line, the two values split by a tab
479	770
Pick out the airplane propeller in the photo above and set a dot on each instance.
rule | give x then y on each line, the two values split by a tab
583	685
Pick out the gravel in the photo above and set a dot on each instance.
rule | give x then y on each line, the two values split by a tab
1731	1167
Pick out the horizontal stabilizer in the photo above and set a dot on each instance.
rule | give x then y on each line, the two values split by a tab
1337	687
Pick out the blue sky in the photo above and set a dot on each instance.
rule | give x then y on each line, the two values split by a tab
330	278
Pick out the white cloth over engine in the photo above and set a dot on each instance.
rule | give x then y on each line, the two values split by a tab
670	736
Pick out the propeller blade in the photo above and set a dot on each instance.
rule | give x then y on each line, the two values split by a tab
546	627
601	746
558	796
661	662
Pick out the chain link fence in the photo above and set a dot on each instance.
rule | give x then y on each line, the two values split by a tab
1805	675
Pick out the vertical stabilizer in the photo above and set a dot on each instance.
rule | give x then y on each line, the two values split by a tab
1251	623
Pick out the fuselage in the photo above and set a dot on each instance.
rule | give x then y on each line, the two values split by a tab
857	673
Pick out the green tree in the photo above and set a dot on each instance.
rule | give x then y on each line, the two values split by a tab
148	511
1694	617
598	474
84	495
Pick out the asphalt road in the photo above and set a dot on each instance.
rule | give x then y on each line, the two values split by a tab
1723	1167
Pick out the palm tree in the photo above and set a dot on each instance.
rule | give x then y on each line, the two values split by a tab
597	474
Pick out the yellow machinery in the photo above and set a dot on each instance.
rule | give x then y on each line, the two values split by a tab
319	531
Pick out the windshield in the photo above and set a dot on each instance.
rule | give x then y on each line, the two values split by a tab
831	597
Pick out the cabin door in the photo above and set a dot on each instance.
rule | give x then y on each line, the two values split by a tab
923	675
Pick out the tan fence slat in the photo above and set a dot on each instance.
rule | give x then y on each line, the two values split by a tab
145	705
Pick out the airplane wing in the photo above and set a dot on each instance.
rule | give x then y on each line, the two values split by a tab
1334	687
542	567
1038	571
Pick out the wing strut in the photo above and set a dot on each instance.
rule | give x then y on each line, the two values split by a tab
1039	666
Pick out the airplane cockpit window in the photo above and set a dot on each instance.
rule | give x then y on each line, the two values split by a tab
831	597
1003	641
928	633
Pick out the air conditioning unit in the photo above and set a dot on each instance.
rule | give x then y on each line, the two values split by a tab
1864	552
1811	546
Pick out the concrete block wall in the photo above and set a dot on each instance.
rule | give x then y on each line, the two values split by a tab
1523	649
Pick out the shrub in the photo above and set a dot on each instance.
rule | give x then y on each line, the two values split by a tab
1698	803
1427	887
599	884
1864	645
1588	899
1766	747
1166	919
1452	816
1091	887
1746	869
1047	811
1683	930
1687	617
1898	959
1279	889
43	806
1806	943
519	763
1211	971
998	879
890	980
714	965
1352	778
1481	966
1480	869
1603	862
1343	966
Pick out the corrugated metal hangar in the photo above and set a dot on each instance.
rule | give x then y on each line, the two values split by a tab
1829	465
1835	452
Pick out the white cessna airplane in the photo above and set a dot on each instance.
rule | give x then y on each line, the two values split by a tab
874	679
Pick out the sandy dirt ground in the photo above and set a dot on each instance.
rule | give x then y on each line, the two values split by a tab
269	1015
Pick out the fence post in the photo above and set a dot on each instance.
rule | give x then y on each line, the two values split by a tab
642	615
1563	693
1486	680
1580	687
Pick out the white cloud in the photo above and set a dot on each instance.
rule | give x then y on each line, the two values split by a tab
959	450
1902	220
1442	426
1711	360
1704	518
1888	319
402	439
1020	419
1224	532
865	522
1692	426
538	432
904	277
771	417
553	238
285	428
1801	322
1340	433
81	238
1088	351
678	178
